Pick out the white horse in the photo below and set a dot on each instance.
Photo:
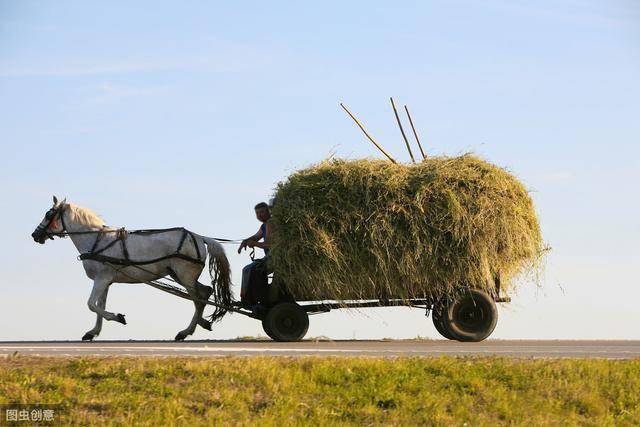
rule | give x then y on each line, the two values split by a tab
114	255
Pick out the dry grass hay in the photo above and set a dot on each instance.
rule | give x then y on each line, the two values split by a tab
368	229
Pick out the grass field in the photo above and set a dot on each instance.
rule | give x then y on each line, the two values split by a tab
444	391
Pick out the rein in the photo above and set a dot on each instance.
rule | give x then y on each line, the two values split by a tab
66	233
96	254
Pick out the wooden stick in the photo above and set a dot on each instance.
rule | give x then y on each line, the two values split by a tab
424	156
366	134
406	141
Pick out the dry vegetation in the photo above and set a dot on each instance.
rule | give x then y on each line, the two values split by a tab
375	229
326	391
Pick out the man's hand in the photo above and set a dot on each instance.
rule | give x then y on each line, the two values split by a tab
247	243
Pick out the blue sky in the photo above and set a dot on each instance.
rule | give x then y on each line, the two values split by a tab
160	114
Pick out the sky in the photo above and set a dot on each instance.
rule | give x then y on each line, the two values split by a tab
158	114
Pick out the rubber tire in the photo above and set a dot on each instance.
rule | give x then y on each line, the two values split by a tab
471	317
286	322
265	327
441	327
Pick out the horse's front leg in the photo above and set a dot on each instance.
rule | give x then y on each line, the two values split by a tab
100	287
102	303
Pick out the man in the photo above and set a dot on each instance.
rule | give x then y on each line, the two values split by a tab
250	293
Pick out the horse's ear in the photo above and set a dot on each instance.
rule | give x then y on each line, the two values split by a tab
55	200
63	201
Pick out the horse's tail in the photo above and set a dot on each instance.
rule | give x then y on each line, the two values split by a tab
220	273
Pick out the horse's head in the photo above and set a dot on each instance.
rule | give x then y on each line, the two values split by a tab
51	223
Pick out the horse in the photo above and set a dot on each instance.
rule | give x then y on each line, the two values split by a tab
111	255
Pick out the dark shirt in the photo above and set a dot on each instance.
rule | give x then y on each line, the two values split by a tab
263	228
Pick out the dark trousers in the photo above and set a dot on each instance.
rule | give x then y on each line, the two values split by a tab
254	282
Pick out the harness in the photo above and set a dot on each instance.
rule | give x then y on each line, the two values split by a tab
97	253
217	299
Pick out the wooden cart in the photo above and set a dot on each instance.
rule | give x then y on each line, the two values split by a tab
470	317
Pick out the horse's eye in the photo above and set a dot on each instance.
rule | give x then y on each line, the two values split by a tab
49	215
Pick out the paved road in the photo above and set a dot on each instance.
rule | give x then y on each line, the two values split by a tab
427	348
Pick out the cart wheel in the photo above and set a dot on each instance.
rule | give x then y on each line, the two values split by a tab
471	317
286	321
267	330
438	322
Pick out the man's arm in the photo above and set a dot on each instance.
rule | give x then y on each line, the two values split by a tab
262	245
267	239
251	241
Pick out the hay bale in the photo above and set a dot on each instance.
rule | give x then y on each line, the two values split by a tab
361	229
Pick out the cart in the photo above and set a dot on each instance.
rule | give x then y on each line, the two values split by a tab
471	317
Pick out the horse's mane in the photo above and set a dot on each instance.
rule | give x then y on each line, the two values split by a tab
84	216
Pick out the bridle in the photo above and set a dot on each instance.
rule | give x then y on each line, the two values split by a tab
50	216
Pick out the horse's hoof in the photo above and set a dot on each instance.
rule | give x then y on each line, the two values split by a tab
87	337
180	336
120	318
205	324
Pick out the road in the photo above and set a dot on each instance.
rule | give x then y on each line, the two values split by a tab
401	348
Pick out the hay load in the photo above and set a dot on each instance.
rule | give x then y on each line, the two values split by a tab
369	229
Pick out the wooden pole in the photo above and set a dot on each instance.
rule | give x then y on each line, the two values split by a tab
424	156
406	141
366	134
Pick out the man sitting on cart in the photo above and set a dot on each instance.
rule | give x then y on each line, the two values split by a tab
254	275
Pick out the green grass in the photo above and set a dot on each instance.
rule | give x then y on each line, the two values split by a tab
444	391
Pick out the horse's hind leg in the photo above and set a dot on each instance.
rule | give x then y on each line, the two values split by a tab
205	292
196	291
197	315
102	302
